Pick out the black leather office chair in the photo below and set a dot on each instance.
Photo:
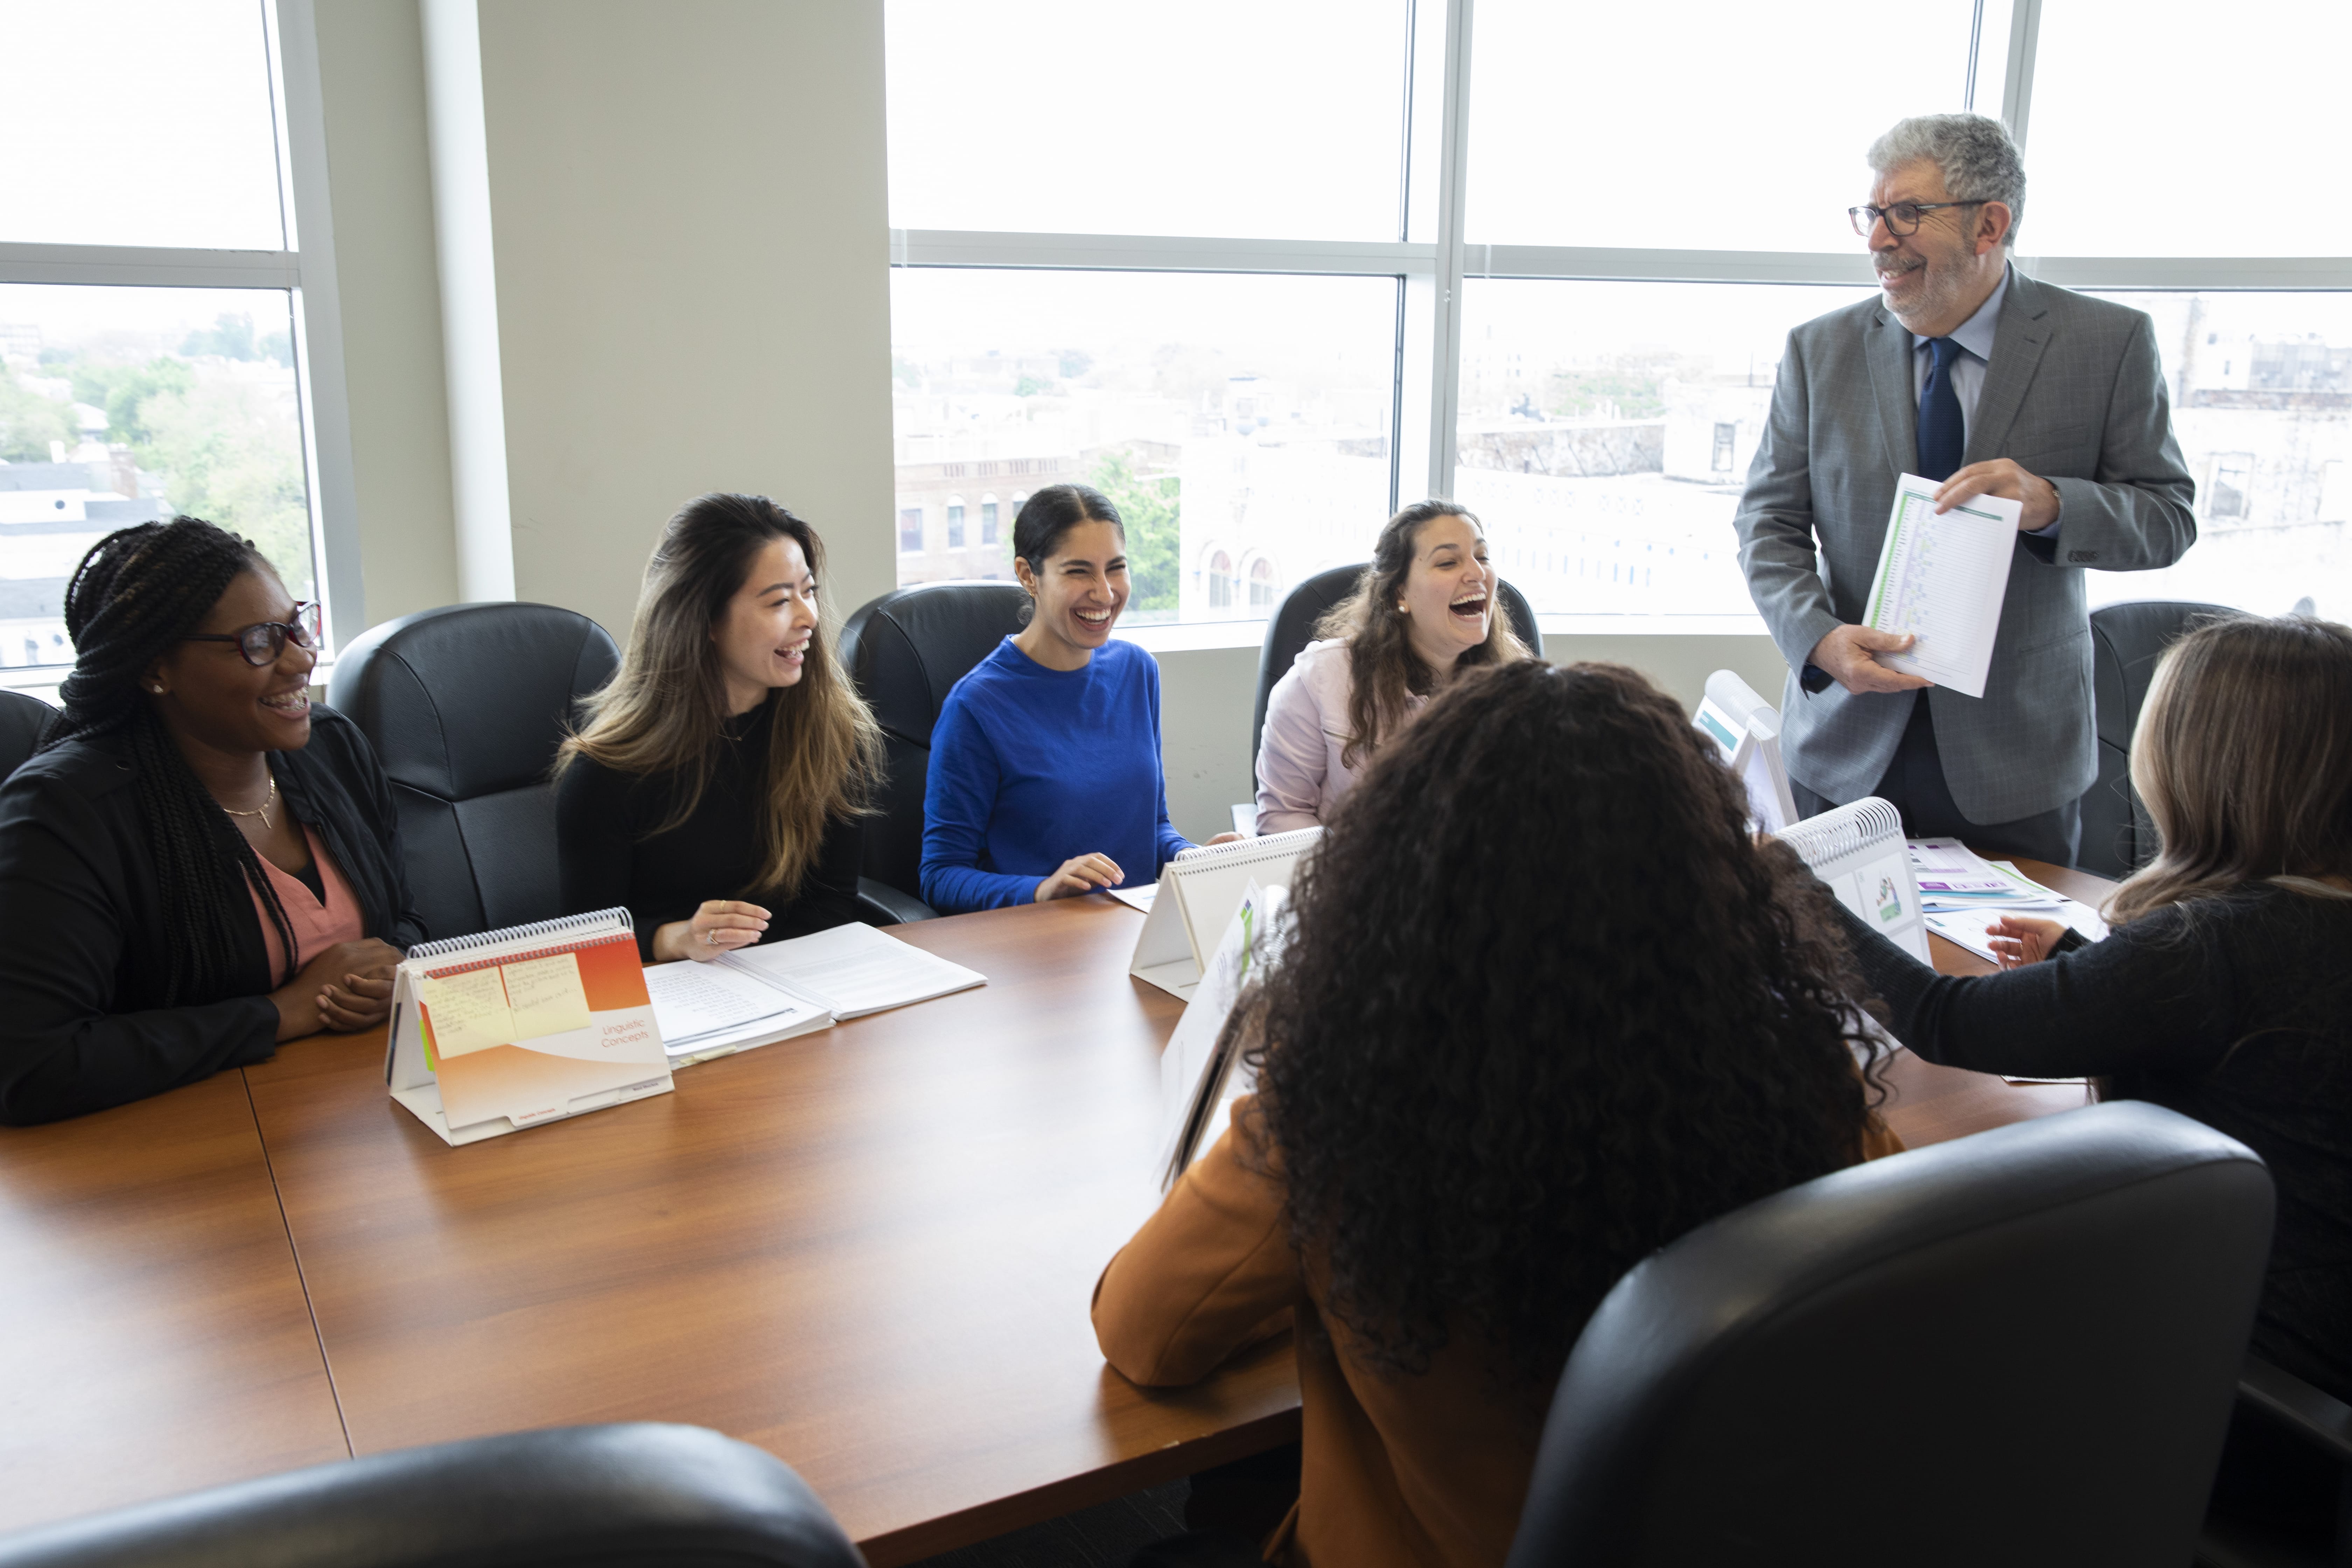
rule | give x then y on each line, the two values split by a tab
2126	639
466	706
634	1495
22	720
2014	1348
906	650
2302	1413
1292	627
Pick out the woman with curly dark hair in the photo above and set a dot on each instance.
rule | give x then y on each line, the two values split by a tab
1546	1006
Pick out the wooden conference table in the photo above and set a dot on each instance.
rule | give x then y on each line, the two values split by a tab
868	1251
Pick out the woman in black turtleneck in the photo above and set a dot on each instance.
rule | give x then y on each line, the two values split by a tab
717	788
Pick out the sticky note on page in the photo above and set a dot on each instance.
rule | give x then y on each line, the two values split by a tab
546	995
467	1012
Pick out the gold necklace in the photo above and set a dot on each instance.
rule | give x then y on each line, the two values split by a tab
261	811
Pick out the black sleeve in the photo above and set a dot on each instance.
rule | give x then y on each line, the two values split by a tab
595	840
2153	994
62	1053
828	896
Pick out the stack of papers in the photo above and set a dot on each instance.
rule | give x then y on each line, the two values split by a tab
1963	895
757	996
712	1009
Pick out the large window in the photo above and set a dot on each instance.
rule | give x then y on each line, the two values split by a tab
1326	257
154	344
1222	414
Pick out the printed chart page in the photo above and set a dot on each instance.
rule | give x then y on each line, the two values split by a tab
1942	580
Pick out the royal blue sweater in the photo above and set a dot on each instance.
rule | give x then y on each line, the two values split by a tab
1031	767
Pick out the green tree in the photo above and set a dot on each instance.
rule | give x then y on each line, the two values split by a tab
230	336
1151	508
125	390
29	422
233	456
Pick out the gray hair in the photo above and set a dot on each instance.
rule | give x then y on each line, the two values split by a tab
1978	162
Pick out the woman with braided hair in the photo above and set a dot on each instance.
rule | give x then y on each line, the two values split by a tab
197	864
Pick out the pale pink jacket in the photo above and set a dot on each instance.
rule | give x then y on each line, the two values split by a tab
1299	774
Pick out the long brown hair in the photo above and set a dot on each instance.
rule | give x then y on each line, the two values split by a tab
2244	755
1384	672
665	711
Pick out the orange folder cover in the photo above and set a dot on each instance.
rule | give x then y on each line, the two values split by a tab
512	1028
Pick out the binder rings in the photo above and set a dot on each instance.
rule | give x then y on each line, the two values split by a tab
1199	891
1859	851
510	1028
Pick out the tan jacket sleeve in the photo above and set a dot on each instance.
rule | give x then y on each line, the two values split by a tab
1211	1272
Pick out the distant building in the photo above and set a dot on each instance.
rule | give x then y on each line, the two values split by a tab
955	519
50	515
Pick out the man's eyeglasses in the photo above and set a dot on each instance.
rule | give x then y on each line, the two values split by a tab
1902	218
264	641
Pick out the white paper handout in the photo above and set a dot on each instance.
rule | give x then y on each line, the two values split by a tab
715	1010
853	969
1942	579
1199	1083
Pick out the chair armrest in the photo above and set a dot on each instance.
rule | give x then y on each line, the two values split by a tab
2317	1417
636	1493
884	905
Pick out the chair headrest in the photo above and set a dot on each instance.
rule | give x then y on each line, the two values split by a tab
2132	636
470	699
2002	1303
906	649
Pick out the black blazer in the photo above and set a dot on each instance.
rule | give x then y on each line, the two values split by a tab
81	1021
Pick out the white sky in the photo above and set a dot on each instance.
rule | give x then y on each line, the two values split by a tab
1245	117
137	122
1719	124
71	315
1130	315
2162	128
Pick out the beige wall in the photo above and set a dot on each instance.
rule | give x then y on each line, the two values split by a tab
688	206
371	79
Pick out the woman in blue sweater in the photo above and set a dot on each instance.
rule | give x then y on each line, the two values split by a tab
1045	779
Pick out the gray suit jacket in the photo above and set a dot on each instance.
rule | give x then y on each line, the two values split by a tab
2074	393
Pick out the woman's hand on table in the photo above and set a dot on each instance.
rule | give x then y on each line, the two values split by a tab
2017	941
1082	873
1224	838
720	925
344	987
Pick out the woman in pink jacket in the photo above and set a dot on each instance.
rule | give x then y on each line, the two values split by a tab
1425	607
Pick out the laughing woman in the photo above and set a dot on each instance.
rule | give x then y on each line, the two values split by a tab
717	788
1424	610
199	863
1045	779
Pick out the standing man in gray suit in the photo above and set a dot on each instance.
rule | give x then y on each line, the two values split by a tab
1966	371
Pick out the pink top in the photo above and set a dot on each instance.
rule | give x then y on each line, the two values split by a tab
317	926
1299	774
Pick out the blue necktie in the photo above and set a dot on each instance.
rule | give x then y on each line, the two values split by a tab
1942	438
